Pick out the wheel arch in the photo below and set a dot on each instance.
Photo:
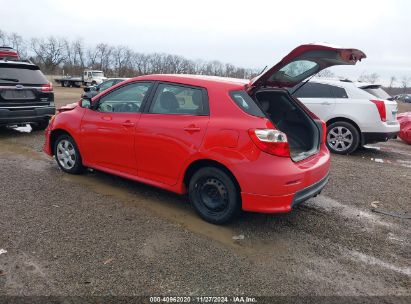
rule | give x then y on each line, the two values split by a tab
201	163
54	135
355	125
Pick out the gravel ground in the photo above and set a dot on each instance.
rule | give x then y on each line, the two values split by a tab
98	234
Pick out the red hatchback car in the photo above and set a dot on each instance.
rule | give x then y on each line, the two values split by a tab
230	144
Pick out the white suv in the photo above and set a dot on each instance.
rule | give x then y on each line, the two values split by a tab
356	113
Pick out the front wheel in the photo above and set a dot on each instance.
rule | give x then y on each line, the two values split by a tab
214	196
342	137
67	155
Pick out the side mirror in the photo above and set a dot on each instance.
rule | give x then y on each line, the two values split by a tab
86	89
85	103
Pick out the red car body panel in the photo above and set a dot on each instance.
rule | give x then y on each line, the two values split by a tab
405	126
157	149
324	55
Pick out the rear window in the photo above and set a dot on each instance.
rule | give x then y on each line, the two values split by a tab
377	91
246	103
23	75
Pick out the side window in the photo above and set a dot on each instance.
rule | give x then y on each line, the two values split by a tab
125	99
246	103
176	99
105	85
315	90
339	92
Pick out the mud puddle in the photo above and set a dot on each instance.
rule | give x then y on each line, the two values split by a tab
176	209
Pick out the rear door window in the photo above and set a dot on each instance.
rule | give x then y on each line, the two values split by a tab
339	92
315	90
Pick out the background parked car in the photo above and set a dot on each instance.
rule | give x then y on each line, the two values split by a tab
26	96
403	98
355	113
92	91
8	53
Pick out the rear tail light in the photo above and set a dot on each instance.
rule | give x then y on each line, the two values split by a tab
270	141
381	109
47	87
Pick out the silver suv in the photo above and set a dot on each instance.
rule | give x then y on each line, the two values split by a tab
355	113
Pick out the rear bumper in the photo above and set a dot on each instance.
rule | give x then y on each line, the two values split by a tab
373	137
279	186
280	204
13	116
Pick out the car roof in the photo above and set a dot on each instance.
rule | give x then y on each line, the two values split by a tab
197	80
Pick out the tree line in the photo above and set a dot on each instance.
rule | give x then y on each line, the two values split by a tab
56	55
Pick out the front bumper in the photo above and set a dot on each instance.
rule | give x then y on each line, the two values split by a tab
373	137
17	116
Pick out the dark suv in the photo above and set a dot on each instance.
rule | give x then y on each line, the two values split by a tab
26	96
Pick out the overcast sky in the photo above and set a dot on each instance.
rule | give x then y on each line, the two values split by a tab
245	33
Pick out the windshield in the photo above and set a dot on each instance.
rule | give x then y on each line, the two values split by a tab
377	92
97	74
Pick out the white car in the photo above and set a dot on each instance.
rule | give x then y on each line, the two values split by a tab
356	113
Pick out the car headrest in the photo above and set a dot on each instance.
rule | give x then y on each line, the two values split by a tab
197	98
168	101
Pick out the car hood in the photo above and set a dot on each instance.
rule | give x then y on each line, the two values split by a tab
305	61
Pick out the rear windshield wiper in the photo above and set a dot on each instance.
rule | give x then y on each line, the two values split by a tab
10	79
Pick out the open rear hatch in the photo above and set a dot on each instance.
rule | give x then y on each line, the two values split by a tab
289	115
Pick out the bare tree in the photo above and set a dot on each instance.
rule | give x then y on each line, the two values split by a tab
393	80
371	78
325	74
48	52
405	81
3	38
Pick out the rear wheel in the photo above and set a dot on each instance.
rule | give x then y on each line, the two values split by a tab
67	155
40	125
342	137
214	195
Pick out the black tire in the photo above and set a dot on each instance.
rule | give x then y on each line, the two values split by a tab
342	137
40	125
74	164
94	83
214	195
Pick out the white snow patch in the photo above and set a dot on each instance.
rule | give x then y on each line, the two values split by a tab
350	212
2	251
370	260
26	129
372	147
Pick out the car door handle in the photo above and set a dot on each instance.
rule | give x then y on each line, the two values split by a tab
128	124
192	128
326	103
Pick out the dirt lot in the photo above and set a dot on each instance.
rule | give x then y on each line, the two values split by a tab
98	234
